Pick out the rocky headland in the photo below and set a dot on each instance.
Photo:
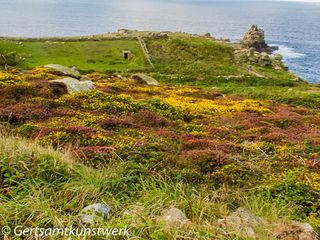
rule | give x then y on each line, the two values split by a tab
254	50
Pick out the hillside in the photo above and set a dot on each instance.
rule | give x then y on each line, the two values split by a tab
216	134
86	55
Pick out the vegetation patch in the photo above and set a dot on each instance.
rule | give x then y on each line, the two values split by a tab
210	138
86	55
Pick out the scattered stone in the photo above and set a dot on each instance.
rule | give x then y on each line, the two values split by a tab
136	210
174	216
285	67
74	85
278	57
143	78
277	63
295	231
91	213
85	78
71	72
264	59
135	215
242	223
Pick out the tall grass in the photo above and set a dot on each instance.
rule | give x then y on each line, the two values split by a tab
44	187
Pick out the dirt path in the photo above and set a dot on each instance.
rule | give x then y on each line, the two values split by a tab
145	50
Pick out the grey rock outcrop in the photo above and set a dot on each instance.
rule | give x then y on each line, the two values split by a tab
143	78
263	59
253	49
242	223
255	39
136	215
94	212
71	72
296	231
74	85
174	216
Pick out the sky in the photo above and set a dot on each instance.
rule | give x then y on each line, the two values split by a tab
172	1
217	0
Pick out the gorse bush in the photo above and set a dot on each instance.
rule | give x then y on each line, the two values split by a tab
9	79
10	59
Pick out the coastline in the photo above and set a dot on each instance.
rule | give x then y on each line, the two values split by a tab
128	34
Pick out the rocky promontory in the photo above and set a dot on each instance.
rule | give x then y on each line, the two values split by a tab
253	49
255	39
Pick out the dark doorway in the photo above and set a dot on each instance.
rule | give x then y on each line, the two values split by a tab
126	55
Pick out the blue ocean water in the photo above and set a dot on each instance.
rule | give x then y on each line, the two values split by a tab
295	27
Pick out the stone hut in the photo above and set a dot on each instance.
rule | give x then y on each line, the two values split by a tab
126	54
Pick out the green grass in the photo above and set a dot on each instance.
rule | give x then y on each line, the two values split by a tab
192	57
46	188
205	63
178	60
86	55
293	96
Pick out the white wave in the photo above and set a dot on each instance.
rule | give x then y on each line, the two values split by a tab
289	53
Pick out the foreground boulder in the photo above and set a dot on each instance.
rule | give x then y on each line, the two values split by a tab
143	78
295	231
173	216
241	223
73	85
71	72
255	40
94	212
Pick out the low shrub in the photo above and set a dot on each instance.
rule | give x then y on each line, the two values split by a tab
205	161
292	190
150	119
22	112
10	59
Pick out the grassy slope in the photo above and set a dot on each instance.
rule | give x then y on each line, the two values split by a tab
181	59
140	147
86	55
201	62
49	189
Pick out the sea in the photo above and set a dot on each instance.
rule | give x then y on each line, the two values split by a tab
293	26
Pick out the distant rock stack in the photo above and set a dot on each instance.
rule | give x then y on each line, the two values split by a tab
254	39
254	50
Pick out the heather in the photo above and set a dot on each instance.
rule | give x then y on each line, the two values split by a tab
199	141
